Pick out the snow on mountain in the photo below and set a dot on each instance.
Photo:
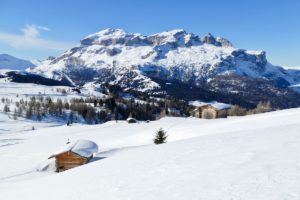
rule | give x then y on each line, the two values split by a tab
13	63
251	157
119	52
204	68
292	67
113	55
42	62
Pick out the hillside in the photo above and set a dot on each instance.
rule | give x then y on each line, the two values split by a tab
252	157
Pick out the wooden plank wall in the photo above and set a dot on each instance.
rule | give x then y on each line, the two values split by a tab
69	160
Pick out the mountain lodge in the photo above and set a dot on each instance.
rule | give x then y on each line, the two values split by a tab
211	110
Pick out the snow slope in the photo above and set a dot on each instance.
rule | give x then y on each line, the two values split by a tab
13	63
252	157
14	92
17	91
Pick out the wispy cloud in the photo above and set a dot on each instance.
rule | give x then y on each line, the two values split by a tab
30	38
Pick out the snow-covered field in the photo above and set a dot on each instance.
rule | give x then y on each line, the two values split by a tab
240	158
16	91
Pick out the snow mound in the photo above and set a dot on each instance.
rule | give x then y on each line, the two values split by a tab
85	148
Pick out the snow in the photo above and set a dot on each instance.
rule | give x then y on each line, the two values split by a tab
17	91
139	56
215	104
14	92
292	67
251	157
130	119
296	67
254	52
109	34
83	148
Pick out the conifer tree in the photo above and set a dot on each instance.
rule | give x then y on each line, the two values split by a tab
160	137
116	114
15	114
6	108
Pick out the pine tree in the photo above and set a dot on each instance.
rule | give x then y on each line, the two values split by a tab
15	116
160	137
29	112
71	117
6	108
166	109
116	114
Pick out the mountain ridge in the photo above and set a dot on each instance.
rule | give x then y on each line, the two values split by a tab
10	62
133	61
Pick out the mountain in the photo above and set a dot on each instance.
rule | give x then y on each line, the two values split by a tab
14	69
13	63
183	64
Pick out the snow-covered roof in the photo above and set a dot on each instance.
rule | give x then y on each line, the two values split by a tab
130	118
215	104
84	148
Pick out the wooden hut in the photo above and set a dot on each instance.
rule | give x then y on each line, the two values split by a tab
211	110
74	154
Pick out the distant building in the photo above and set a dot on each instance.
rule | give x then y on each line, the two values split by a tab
211	110
74	154
131	120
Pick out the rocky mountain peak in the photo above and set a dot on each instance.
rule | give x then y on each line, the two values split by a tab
172	38
109	36
114	54
50	58
217	41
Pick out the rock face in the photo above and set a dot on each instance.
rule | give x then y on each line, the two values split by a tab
143	63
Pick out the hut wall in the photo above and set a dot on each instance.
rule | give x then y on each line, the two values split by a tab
209	113
222	113
197	112
69	160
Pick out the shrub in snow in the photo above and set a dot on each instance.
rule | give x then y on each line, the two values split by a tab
160	137
262	107
237	111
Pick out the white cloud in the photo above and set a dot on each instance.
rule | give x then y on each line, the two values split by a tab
31	39
33	30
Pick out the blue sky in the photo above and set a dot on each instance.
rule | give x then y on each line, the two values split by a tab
34	29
